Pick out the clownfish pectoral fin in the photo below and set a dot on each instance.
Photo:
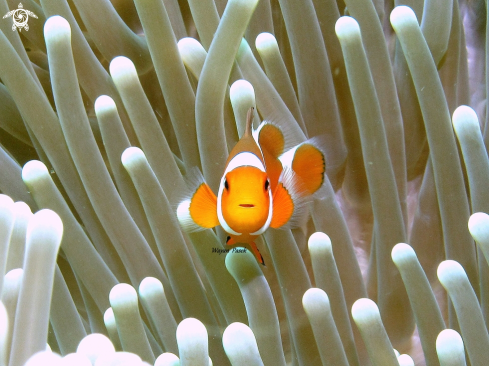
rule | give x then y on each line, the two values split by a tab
289	201
198	212
308	163
283	207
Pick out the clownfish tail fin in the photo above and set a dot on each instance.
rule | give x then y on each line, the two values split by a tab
307	161
257	253
249	122
254	249
197	211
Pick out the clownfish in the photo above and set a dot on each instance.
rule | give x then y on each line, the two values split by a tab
261	187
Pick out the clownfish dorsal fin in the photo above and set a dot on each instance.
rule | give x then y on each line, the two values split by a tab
198	211
249	123
247	142
271	141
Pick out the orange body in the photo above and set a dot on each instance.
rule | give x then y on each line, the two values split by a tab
245	202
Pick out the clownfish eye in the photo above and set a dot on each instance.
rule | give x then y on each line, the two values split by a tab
267	185
226	185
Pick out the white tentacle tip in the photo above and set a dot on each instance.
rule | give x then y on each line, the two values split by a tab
265	41
95	345
319	243
109	318
34	170
121	66
123	294
14	275
315	300
22	209
234	332
189	43
132	155
479	226
46	220
242	86
240	343
449	344
405	360
191	327
464	117
56	26
464	111
402	251
103	103
346	26
6	201
401	14
149	286
7	211
44	358
167	359
365	311
448	271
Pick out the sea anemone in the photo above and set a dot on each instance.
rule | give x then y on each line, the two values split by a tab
107	111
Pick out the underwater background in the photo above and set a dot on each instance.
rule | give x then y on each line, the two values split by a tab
106	107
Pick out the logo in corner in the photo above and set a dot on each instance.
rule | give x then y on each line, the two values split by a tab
20	17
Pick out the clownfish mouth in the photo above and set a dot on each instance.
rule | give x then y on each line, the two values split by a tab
246	205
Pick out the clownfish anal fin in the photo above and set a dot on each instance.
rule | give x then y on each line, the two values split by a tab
199	211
